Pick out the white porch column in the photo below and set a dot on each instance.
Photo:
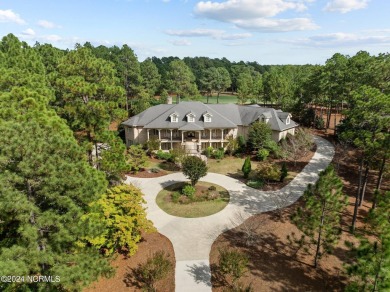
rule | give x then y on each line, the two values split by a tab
147	134
210	138
171	139
222	138
159	137
182	136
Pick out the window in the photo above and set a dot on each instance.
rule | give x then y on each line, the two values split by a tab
207	119
190	118
174	118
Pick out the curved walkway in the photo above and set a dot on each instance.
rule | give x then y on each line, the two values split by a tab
192	237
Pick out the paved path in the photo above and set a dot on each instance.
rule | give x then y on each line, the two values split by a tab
192	237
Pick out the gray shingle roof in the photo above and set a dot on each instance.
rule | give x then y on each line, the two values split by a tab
223	116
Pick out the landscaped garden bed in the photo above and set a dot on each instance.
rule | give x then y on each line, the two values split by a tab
207	199
126	277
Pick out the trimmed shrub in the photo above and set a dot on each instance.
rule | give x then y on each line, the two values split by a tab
268	171
156	268
262	154
163	155
283	172
241	144
212	188
154	170
208	151
188	191
219	153
256	184
246	167
233	263
175	196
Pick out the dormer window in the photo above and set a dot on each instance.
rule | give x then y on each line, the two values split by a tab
265	117
174	118
207	117
190	118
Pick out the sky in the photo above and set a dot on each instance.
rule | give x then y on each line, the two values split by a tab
265	31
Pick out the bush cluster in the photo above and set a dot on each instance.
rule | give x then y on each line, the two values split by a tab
188	191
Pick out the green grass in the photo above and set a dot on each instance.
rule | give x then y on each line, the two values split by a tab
223	98
228	166
193	209
160	164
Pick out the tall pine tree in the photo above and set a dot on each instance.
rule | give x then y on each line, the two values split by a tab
319	218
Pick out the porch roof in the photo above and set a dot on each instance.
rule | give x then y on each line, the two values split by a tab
191	127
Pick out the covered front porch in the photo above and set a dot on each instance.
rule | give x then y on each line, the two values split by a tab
193	139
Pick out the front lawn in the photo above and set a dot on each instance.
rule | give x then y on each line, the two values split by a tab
230	166
208	199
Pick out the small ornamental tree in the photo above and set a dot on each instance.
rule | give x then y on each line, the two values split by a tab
283	172
247	167
194	168
121	218
320	217
259	135
136	157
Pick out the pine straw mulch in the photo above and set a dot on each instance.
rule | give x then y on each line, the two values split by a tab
125	277
275	264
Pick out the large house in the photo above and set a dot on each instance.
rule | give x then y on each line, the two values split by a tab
196	126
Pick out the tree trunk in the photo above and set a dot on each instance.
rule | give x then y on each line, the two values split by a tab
319	237
363	191
379	181
377	274
329	116
218	97
97	155
89	150
127	106
355	211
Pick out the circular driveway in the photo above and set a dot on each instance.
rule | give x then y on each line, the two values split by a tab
192	237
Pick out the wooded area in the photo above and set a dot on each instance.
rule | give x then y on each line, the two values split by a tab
57	177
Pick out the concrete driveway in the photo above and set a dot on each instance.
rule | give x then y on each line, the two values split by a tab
192	237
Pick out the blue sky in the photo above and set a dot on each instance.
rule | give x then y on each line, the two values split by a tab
266	31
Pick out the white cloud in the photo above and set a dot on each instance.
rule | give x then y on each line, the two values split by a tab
47	24
340	39
213	33
10	16
277	25
51	38
257	15
345	6
180	42
28	32
245	9
30	35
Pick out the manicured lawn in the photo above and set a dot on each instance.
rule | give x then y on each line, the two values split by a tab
230	166
192	209
223	98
